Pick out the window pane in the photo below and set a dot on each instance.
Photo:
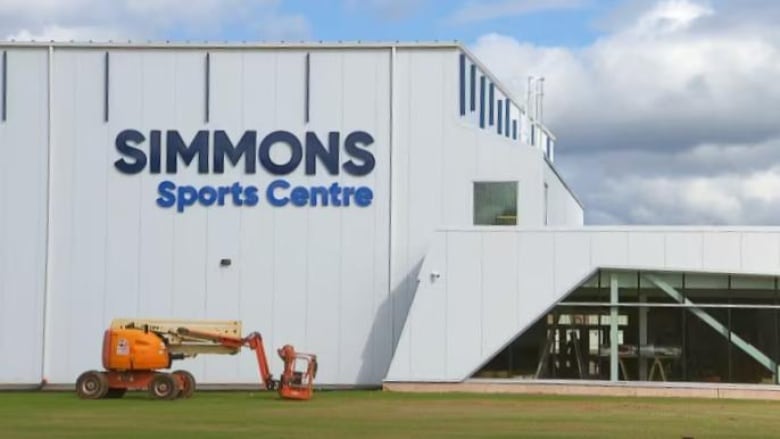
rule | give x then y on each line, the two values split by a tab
495	203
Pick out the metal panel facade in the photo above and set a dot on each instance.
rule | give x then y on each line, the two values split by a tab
148	216
23	187
313	276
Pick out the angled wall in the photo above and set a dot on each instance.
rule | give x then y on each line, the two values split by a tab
478	288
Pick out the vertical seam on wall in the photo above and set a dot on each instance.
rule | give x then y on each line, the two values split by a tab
406	281
207	85
442	127
741	243
390	206
307	87
341	232
462	84
665	247
481	296
307	271
241	267
5	86
172	293
442	145
701	249
47	256
306	260
3	189
106	67
207	118
273	211
106	168
446	304
140	196
555	261
73	179
518	241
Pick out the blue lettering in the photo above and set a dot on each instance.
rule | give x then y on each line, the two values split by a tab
123	145
299	196
246	148
154	151
329	157
335	191
223	192
348	192
269	193
207	195
175	147
167	197
186	197
363	196
366	157
358	161
276	193
250	196
320	191
235	191
295	149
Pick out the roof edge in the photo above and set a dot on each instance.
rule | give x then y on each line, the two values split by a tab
358	44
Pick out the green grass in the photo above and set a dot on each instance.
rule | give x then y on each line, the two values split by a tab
375	414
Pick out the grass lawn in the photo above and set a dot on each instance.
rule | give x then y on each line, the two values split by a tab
376	414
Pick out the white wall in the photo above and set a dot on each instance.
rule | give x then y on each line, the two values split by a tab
493	284
314	277
439	154
563	208
336	282
23	187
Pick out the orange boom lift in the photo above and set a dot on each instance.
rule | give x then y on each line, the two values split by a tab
136	350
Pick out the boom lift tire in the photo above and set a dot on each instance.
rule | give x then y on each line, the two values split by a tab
187	383
92	385
163	386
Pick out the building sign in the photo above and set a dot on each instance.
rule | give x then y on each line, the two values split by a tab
162	152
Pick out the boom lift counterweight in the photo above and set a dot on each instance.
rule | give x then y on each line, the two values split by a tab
134	351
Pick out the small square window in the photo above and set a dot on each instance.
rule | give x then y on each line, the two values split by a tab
495	203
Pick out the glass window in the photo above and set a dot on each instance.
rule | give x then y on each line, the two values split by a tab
495	203
726	330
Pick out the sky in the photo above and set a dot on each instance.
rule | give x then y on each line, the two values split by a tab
666	111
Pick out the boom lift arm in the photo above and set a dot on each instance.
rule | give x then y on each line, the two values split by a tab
253	341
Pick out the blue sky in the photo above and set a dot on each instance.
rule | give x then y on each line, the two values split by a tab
570	23
334	20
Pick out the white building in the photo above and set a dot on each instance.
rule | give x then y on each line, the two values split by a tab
389	207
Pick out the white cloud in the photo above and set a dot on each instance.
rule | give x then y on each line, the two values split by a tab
72	33
668	118
474	11
669	16
144	19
